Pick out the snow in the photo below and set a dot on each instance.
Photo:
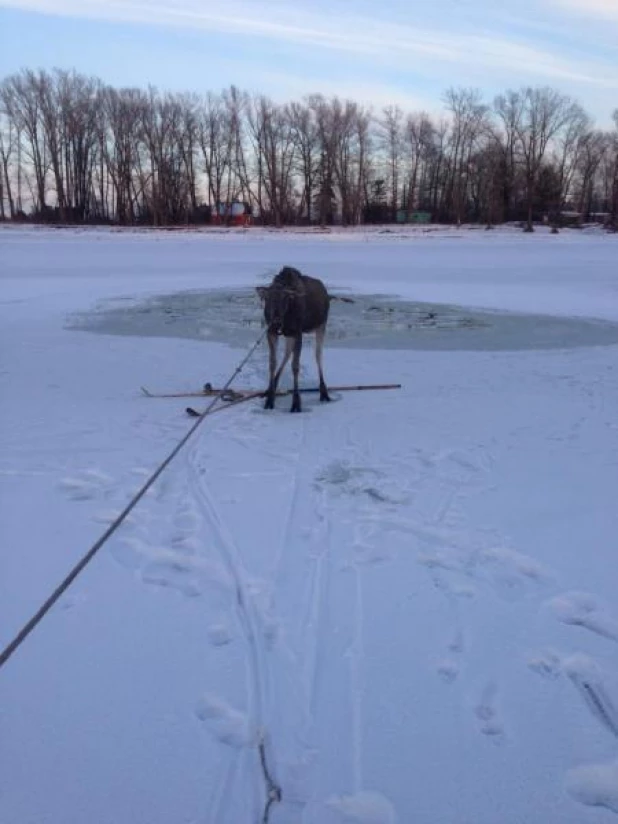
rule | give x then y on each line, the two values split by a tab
405	599
596	785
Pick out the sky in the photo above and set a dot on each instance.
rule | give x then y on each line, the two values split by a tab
402	52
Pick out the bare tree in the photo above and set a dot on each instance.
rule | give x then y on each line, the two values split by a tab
569	144
544	113
79	101
326	135
238	183
468	125
272	138
22	102
214	142
120	145
593	148
305	137
613	175
360	196
417	142
74	150
509	110
187	139
9	138
391	127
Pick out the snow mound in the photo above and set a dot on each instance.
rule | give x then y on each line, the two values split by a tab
595	785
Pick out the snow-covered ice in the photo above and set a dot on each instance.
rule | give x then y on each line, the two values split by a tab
405	601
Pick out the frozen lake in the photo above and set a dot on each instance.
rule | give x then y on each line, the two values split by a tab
403	603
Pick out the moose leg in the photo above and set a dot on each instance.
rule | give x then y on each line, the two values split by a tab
298	345
273	340
319	345
289	348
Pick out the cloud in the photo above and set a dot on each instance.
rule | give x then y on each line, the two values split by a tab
603	9
390	44
375	96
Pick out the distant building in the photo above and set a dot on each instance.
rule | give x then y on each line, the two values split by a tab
236	213
404	216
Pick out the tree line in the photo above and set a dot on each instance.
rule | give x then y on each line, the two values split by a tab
74	150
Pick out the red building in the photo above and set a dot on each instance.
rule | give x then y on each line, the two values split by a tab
235	213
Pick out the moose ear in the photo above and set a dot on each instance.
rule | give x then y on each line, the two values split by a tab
262	291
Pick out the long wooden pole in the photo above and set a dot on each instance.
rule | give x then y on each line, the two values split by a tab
237	393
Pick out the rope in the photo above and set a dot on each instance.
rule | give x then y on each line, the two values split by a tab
273	790
85	560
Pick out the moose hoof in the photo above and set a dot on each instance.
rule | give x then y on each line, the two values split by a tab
324	396
269	403
295	404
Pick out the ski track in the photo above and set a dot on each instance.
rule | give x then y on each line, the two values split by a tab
257	673
340	518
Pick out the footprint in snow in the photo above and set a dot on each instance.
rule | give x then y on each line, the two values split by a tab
189	576
487	714
173	575
219	634
449	571
130	552
187	520
584	610
448	670
107	517
367	547
512	574
547	664
227	724
362	482
71	601
87	485
456	645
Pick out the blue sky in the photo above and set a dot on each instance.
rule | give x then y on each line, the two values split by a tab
406	52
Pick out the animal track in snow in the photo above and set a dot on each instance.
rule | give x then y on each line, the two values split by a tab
190	576
219	634
262	604
87	485
456	644
227	724
451	571
187	520
584	610
448	670
510	572
362	481
130	552
548	665
487	713
174	575
368	546
109	516
71	601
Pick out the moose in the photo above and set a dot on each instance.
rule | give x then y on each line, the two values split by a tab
294	304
